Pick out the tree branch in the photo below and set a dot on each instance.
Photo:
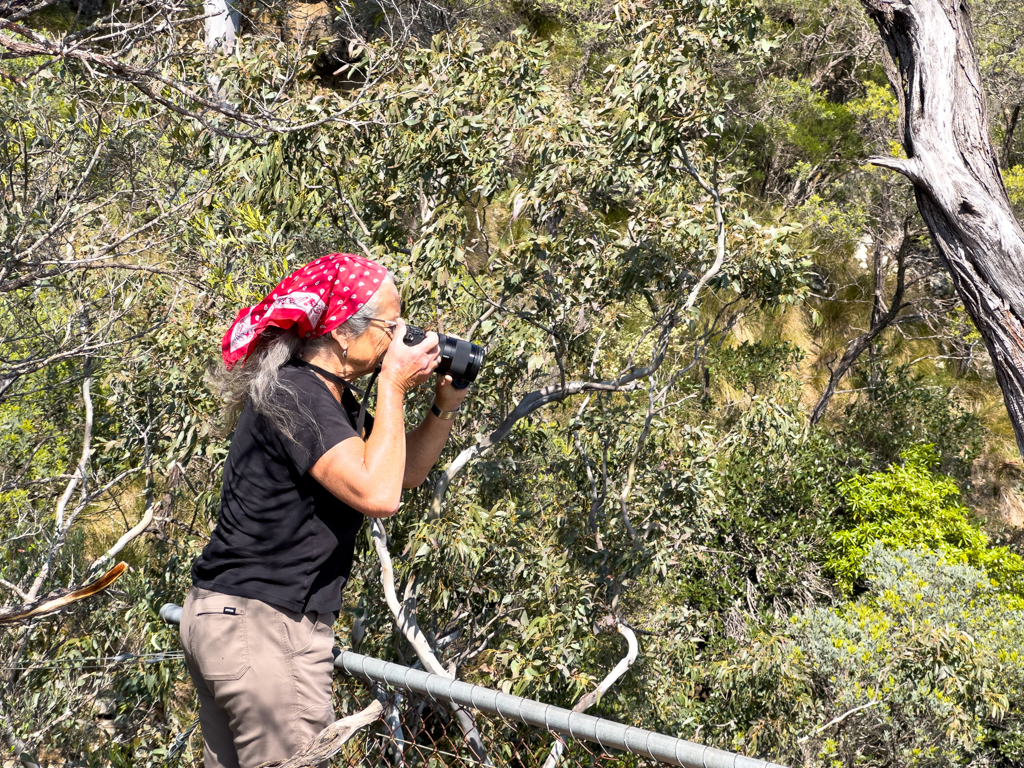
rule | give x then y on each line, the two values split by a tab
539	398
631	469
83	462
837	720
595	695
330	740
856	348
128	537
61	598
410	629
712	189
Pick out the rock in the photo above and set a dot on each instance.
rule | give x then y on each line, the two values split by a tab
305	23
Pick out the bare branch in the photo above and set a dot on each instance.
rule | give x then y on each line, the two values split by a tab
128	537
407	623
410	629
330	740
83	463
595	695
631	470
545	396
856	348
712	189
837	720
15	589
61	598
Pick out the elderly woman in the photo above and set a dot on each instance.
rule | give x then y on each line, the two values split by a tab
257	623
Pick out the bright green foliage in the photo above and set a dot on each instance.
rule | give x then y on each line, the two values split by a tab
924	670
908	506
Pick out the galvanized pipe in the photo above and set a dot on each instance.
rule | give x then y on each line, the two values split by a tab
170	613
605	733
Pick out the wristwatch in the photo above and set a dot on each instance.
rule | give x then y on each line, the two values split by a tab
442	414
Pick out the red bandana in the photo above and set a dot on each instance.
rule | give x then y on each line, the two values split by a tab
316	299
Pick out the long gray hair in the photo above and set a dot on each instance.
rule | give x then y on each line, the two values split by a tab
258	379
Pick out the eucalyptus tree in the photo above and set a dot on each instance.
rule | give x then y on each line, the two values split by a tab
932	64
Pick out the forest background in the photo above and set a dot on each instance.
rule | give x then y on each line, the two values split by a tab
731	398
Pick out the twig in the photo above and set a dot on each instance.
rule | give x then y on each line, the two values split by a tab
837	720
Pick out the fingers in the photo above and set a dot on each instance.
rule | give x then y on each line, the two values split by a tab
446	395
398	340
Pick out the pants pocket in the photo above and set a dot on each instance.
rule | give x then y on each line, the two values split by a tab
300	633
218	637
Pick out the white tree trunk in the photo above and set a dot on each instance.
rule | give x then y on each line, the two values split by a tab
933	67
221	25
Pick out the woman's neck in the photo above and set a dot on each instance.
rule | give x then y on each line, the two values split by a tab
330	362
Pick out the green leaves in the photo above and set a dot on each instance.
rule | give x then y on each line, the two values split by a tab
912	506
929	652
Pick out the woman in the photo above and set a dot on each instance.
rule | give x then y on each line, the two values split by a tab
257	624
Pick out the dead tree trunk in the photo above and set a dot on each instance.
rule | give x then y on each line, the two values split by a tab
932	65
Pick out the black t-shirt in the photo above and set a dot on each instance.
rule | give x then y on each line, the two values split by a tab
281	537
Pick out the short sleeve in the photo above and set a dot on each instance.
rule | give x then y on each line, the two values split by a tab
319	421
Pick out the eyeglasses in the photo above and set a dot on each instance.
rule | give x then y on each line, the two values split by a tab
389	325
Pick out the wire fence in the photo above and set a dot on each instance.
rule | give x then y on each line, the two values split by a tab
512	731
417	730
424	724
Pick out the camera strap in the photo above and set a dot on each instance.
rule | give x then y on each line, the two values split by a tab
336	379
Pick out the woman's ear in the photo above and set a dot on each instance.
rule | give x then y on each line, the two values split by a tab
341	340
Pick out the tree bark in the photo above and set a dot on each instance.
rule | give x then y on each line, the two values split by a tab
932	65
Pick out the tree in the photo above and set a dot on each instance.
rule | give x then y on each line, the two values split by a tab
931	63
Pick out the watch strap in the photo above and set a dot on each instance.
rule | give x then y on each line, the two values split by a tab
442	414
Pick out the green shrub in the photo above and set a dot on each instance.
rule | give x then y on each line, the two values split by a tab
913	506
923	670
901	409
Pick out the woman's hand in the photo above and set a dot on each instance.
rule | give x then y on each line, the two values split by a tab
408	367
447	396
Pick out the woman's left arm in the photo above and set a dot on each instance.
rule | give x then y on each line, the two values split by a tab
424	444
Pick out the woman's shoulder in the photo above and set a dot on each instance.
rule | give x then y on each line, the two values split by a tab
302	383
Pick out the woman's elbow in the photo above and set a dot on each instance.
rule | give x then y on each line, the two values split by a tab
383	507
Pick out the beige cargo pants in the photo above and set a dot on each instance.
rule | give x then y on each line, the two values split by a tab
263	675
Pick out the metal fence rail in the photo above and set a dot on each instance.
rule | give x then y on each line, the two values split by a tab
605	733
418	729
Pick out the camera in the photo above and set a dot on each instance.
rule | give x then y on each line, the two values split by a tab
460	359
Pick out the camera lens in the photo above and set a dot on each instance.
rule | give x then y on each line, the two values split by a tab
459	358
